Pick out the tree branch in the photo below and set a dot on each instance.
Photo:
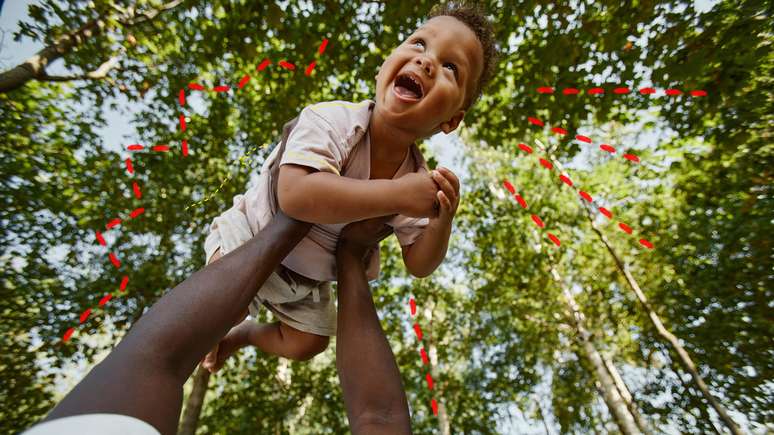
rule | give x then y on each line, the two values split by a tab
34	68
97	74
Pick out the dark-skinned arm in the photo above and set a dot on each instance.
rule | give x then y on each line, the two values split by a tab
143	376
370	380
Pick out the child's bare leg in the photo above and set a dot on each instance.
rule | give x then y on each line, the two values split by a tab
273	338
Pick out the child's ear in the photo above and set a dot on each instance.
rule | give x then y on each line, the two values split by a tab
452	124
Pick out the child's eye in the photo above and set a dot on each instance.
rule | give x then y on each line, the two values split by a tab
421	41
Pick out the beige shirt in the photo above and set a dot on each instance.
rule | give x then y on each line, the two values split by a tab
330	137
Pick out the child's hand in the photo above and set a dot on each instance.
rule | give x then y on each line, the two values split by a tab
419	195
448	196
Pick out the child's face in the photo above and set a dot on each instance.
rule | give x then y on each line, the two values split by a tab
447	58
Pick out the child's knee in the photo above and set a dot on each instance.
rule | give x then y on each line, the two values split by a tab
304	345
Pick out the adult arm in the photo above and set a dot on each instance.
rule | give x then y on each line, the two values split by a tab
143	376
370	380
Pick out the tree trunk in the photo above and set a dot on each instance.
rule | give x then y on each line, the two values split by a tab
193	406
610	394
444	426
683	355
541	415
625	394
34	68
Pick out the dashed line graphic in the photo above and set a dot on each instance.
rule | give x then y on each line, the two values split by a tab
423	354
181	99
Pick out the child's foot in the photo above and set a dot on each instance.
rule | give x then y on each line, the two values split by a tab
234	340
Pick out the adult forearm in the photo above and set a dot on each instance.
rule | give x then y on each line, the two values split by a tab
326	198
144	374
370	380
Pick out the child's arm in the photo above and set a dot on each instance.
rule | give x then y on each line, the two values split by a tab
426	254
325	198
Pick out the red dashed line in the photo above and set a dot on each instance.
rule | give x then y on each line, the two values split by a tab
586	196
244	81
184	146
608	148
105	299
418	331
621	91
606	212
583	138
114	260
310	67
535	218
586	139
546	164
538	221
423	354
526	148
429	381
631	157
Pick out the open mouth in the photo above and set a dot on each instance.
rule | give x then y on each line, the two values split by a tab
407	87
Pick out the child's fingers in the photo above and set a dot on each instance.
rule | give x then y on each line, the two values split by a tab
449	175
445	203
445	185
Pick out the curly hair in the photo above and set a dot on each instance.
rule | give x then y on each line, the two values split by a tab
475	17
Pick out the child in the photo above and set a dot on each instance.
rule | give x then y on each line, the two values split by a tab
341	162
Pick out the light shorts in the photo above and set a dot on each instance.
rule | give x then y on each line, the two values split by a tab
298	301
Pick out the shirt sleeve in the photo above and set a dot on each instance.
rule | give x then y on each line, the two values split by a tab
407	229
314	143
229	230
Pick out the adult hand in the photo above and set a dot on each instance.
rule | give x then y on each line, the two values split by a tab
360	238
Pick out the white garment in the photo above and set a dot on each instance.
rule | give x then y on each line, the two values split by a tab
94	424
